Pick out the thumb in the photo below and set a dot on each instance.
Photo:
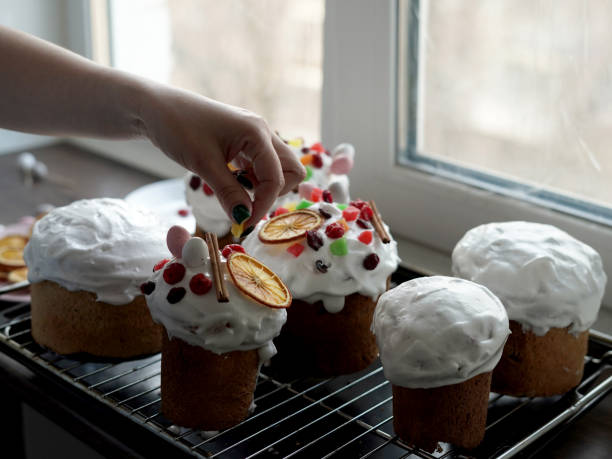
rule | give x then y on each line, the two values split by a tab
231	195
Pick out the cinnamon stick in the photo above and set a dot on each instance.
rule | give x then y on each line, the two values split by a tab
378	224
215	262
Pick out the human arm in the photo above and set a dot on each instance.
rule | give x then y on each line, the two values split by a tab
46	89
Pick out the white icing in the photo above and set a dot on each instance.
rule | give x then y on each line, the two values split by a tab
346	274
200	320
544	277
104	246
207	210
437	331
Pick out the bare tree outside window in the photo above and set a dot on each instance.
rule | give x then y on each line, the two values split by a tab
263	55
522	89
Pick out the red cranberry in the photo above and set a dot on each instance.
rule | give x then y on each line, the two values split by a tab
174	273
371	262
200	284
334	230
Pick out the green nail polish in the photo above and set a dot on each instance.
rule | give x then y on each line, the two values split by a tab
240	213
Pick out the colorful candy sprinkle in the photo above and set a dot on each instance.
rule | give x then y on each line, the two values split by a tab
208	191
314	240
297	142
280	211
365	237
295	249
317	161
174	273
339	247
350	213
327	196
175	295
305	150
147	288
306	159
316	194
344	224
308	174
322	266
334	230
183	212
200	284
291	206
304	204
317	147
160	264
371	262
342	206
237	230
229	248
194	182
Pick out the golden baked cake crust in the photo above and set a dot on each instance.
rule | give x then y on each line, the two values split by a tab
540	366
329	344
453	413
221	386
72	322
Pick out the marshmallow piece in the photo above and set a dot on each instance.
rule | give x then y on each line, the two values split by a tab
344	149
339	192
176	239
342	164
195	252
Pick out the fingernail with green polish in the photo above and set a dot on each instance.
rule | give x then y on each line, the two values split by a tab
240	213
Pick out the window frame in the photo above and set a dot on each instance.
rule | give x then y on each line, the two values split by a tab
359	106
410	132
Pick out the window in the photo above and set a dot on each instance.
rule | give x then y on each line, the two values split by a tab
265	56
511	96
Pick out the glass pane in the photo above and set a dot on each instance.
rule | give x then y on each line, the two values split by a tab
263	55
521	89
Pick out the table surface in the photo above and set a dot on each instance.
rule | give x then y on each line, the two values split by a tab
75	173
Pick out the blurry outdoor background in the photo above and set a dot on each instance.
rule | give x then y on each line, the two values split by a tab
521	88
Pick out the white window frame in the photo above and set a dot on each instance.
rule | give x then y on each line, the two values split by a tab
359	106
427	213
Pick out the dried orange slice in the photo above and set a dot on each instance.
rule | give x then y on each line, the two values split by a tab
11	258
257	281
15	241
18	275
289	227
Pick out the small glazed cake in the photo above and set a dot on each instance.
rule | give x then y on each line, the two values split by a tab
212	351
326	172
551	285
86	262
209	215
335	265
439	340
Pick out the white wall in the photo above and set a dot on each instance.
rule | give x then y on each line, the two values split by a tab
52	20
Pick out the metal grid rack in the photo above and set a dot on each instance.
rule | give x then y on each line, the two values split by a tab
349	416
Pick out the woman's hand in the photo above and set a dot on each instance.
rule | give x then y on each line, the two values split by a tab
204	135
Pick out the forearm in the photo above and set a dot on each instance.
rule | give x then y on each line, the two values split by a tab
46	89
